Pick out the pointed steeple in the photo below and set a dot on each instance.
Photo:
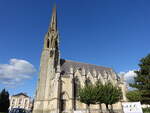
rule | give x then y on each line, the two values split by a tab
53	24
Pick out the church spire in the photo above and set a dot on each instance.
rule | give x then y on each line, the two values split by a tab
53	24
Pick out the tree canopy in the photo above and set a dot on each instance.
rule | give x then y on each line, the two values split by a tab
142	80
4	101
99	93
87	95
111	94
99	87
134	96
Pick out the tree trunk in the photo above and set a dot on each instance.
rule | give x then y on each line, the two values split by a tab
112	109
107	108
88	107
100	108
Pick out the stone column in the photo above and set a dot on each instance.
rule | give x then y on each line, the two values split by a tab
72	89
57	89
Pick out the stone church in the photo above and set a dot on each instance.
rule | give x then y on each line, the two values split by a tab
59	78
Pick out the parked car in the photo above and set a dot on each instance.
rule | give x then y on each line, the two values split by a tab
18	110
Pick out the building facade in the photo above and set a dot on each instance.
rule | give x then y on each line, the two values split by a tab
59	79
20	100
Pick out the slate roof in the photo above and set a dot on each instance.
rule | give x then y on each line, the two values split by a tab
21	94
66	64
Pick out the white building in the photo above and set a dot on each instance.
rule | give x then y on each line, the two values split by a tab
20	100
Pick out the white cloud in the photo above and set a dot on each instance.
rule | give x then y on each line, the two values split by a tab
16	71
128	76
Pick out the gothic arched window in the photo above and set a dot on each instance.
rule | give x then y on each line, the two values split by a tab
76	85
47	43
88	81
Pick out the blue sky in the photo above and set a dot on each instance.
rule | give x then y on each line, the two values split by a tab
110	33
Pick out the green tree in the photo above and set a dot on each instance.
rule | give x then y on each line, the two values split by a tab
87	95
111	95
4	101
99	93
142	80
134	96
